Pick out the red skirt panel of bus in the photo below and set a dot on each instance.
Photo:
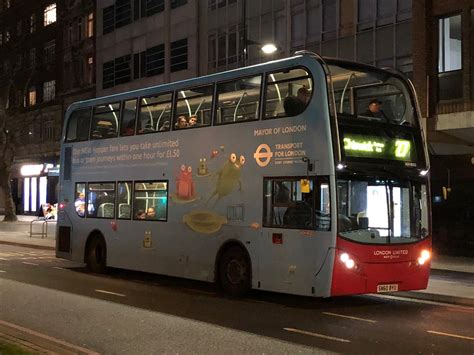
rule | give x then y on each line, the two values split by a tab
379	268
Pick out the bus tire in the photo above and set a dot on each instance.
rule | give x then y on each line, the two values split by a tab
235	271
96	255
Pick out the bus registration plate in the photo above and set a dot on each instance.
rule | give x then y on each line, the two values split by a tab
387	288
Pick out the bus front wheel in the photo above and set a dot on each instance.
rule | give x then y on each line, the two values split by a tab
96	255
235	272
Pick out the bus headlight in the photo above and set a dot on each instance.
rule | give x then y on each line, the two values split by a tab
346	259
425	255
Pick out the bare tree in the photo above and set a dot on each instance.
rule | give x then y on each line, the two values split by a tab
14	132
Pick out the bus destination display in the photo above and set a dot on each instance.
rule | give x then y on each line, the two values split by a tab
378	147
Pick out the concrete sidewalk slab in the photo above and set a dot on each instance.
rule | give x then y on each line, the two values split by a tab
453	263
446	291
24	240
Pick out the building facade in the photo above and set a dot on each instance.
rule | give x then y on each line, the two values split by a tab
35	51
144	43
443	60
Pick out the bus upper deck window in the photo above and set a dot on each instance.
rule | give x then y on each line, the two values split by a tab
195	106
155	113
238	100
78	125
288	93
105	121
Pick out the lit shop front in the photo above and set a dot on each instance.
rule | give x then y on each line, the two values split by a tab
38	187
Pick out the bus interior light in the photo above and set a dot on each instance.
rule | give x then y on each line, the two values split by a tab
423	172
340	166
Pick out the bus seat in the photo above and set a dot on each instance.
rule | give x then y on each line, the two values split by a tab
106	210
298	215
124	210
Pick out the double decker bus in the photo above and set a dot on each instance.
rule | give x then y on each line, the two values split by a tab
303	175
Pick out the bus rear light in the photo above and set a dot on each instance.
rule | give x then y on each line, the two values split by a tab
424	257
62	206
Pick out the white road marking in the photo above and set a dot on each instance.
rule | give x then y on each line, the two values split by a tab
350	317
28	263
58	268
2	271
57	341
317	335
3	259
450	335
111	293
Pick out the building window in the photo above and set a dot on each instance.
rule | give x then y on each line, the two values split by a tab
154	6
90	70
31	99
329	19
49	90
117	71
19	27
49	51
178	3
122	69
80	30
155	60
450	73
123	13
48	131
108	19
212	49
108	74
90	25
49	14
7	36
32	23
450	48
32	57
179	55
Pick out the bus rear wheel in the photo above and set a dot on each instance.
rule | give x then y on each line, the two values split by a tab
96	255
235	272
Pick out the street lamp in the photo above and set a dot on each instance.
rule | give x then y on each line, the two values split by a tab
269	48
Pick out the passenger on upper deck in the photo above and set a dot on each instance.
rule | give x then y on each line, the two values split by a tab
295	105
192	121
374	110
181	122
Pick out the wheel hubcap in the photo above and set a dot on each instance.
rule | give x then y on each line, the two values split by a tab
236	271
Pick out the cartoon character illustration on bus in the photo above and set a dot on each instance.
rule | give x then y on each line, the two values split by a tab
228	181
185	187
202	168
228	178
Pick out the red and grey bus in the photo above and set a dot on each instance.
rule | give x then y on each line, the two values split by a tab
304	175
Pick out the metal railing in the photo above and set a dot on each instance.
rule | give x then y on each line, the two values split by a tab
44	228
